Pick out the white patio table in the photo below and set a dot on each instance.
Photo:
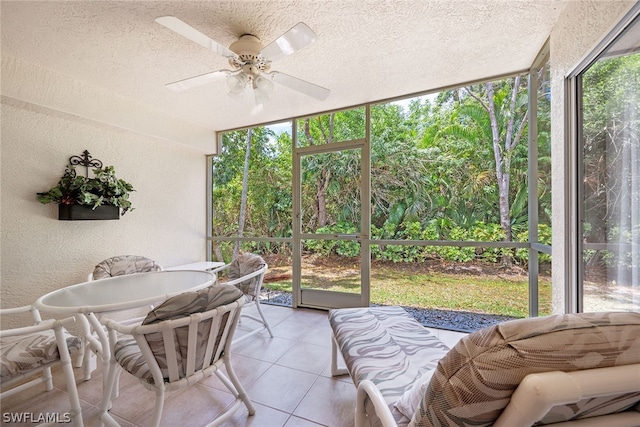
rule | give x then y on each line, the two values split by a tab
89	300
202	265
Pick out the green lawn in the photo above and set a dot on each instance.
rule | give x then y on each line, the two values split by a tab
394	285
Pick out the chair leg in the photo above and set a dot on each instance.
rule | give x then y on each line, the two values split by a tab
72	390
86	357
81	355
111	379
264	319
335	369
157	408
47	379
67	369
261	320
241	393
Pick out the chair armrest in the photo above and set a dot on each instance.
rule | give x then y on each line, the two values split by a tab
367	389
42	326
16	310
245	277
35	313
118	326
219	269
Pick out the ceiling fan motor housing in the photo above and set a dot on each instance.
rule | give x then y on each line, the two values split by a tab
248	48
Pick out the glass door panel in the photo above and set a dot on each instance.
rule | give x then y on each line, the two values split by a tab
330	226
610	200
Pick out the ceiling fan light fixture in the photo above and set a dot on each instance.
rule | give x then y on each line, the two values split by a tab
237	83
262	89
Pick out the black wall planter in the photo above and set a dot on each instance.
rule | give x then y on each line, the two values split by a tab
83	213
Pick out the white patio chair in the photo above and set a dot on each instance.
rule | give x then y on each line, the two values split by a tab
246	272
31	352
119	265
181	341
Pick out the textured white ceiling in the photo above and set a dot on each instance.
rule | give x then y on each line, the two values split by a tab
366	50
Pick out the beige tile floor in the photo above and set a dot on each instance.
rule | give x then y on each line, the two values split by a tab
287	377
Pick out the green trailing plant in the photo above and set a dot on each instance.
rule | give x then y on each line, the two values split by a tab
103	189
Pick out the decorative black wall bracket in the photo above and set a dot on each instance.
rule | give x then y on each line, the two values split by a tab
85	161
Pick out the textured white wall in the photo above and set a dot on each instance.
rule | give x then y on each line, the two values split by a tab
581	26
40	253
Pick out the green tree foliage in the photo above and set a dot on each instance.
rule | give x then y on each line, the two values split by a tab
269	200
492	117
436	164
400	172
329	192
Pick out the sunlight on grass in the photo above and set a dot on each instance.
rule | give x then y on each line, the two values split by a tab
488	294
482	294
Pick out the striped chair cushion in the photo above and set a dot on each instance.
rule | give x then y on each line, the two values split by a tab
127	353
123	265
387	346
474	381
24	353
245	264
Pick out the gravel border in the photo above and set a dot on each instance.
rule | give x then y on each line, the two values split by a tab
460	321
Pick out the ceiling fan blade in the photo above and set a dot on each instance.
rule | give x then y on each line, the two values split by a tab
300	85
298	37
186	30
200	80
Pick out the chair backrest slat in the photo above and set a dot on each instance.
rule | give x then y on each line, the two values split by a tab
192	347
211	341
223	342
168	338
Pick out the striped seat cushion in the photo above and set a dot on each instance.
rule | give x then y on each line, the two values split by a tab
386	346
473	383
122	265
127	352
22	354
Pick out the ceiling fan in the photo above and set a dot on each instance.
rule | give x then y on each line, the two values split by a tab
250	62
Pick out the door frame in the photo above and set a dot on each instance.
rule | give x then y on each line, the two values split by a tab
330	299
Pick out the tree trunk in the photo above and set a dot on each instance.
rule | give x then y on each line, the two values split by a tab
243	197
503	165
323	177
216	250
322	182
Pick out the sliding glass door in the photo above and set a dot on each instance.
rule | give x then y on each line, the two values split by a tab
609	176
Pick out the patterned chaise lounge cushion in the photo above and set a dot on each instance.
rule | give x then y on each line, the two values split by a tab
386	346
127	352
242	265
474	381
123	265
21	354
